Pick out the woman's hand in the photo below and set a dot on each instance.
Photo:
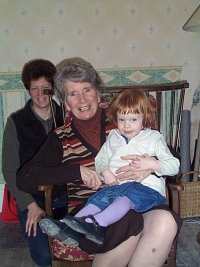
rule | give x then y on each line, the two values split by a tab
35	213
145	162
90	178
129	172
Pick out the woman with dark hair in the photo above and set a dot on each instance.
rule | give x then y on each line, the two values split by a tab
25	131
68	155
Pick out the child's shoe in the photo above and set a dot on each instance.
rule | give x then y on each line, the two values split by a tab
92	231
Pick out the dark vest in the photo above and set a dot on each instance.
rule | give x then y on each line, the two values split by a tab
30	131
31	135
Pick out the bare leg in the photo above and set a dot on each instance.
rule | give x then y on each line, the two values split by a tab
149	250
118	257
155	243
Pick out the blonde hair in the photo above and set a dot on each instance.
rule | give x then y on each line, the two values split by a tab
134	101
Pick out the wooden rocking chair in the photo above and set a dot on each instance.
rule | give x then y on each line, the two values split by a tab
174	92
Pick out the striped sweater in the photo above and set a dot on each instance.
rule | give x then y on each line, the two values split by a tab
59	159
75	149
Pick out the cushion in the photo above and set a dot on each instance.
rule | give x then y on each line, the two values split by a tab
77	197
70	253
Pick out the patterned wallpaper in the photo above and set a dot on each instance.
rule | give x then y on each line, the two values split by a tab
109	33
112	34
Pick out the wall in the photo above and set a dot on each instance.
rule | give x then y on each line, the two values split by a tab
109	33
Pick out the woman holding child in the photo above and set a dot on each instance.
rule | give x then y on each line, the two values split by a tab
69	153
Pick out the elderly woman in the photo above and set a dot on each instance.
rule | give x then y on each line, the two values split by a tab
72	147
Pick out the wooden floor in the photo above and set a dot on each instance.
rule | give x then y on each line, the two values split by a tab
14	252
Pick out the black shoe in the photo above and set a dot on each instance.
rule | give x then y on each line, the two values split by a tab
92	231
60	231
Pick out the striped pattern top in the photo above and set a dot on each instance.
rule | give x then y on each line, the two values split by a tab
76	150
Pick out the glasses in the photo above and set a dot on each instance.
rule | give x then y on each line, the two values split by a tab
46	90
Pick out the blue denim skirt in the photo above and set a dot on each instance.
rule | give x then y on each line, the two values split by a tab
142	197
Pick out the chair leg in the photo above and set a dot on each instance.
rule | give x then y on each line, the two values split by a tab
56	263
170	263
198	237
171	260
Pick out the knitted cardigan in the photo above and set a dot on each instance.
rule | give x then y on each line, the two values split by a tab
59	159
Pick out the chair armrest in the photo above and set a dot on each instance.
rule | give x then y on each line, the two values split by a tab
174	190
173	196
175	187
48	190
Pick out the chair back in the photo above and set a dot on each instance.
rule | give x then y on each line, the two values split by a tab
169	105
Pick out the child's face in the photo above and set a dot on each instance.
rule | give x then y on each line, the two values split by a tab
129	124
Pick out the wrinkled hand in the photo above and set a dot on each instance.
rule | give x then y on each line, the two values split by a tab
129	172
145	162
90	178
35	213
109	177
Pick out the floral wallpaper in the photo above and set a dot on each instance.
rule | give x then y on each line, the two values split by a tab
109	33
112	34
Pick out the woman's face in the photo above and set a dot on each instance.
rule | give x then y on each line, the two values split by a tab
82	99
36	91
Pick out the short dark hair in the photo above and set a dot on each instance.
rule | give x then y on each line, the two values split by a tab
38	68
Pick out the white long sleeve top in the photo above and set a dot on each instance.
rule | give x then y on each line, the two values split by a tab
149	142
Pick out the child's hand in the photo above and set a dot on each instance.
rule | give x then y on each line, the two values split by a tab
109	177
145	162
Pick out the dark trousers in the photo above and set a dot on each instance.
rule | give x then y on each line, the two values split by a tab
38	245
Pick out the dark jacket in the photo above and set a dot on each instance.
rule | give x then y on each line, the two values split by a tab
24	133
30	131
